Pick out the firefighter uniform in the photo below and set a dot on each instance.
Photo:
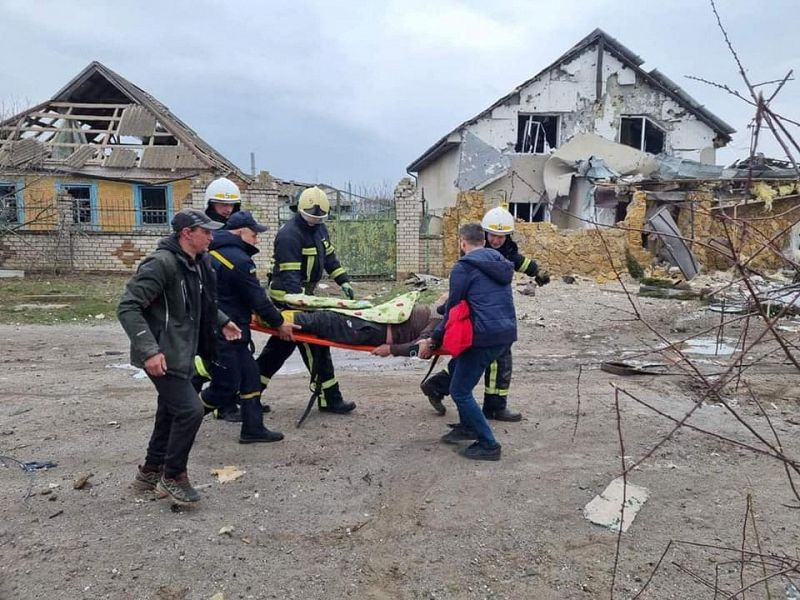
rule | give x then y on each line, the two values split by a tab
235	375
303	251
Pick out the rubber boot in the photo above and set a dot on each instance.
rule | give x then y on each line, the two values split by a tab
332	401
494	407
253	430
436	387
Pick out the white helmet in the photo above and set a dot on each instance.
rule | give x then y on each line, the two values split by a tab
498	221
223	191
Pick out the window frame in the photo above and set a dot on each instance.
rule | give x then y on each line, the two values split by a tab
645	119
534	209
18	186
557	117
94	224
138	211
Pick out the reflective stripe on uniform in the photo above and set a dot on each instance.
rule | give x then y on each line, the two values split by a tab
249	395
337	272
328	384
309	268
310	251
204	403
222	259
200	367
491	385
306	349
524	266
289	266
264	380
279	295
329	249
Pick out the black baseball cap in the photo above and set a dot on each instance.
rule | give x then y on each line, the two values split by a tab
242	219
191	217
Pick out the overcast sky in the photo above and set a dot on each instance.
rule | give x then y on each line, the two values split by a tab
339	91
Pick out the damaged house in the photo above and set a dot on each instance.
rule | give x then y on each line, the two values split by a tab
91	178
592	115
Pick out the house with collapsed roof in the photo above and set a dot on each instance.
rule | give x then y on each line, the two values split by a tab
594	101
91	178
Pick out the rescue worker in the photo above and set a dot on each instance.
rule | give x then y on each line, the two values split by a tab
222	199
498	225
303	250
235	374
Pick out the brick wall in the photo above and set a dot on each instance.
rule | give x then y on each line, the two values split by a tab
408	210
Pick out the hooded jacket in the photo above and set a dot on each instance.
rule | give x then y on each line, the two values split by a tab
483	278
169	306
510	251
239	294
301	253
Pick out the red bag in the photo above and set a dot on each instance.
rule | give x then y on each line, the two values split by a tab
457	330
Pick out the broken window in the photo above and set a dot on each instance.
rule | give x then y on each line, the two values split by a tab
82	203
641	133
530	212
536	134
153	205
9	208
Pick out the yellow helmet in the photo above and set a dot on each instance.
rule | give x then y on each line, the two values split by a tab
498	221
223	191
314	203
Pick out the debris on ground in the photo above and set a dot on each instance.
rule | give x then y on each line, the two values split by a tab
227	473
82	481
422	280
606	508
38	465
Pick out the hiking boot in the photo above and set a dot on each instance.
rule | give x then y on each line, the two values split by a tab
428	388
264	435
340	408
459	433
146	480
478	452
229	415
179	490
503	414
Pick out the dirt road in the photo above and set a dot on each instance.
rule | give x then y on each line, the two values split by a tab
371	505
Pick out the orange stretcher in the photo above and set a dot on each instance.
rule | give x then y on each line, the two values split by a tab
313	340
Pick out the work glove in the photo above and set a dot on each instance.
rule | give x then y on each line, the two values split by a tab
349	291
542	278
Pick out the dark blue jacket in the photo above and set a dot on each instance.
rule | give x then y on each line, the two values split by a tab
238	289
483	277
510	251
302	252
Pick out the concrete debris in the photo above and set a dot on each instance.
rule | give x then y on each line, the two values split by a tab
668	232
422	279
228	473
605	509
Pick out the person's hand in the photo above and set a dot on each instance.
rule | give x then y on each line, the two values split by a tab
231	331
542	278
286	331
382	350
441	300
425	348
349	291
156	365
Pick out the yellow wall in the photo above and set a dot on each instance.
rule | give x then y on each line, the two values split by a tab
577	251
115	201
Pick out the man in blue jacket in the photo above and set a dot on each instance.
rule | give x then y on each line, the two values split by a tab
483	278
235	374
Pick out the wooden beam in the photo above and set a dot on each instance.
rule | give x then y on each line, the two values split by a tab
74	117
86	105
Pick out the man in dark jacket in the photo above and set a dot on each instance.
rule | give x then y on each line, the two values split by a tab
483	278
303	251
234	376
498	225
169	312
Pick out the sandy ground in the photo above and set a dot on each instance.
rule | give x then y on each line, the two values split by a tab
372	505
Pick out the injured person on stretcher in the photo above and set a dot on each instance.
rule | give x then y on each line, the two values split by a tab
397	339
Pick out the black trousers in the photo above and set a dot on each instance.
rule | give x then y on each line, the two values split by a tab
275	353
178	417
341	328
